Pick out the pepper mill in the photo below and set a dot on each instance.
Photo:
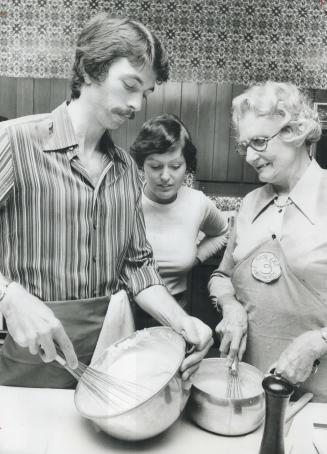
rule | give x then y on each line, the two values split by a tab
277	394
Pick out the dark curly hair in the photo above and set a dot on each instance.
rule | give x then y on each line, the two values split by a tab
163	134
105	39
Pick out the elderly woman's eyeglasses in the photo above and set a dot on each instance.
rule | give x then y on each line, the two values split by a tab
257	143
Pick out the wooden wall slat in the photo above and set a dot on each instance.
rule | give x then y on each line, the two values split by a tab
222	132
235	162
155	102
249	174
42	91
57	92
172	98
206	129
25	97
189	108
68	89
8	97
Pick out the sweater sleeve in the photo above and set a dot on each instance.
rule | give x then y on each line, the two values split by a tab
220	283
215	228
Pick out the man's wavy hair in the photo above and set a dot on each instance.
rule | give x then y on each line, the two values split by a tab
105	39
163	134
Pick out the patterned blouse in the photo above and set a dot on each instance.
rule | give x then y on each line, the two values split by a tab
61	237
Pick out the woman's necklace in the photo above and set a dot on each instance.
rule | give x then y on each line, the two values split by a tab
287	202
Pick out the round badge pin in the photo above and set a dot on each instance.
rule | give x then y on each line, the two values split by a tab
266	267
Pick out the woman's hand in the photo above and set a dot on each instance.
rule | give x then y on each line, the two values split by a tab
34	326
198	334
232	330
296	362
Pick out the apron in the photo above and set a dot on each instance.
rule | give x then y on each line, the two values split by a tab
82	321
278	312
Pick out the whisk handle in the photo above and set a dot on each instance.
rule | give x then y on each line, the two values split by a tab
61	361
76	373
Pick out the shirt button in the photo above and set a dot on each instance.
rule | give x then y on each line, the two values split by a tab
94	259
94	226
273	236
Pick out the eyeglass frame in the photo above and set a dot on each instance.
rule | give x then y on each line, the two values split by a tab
248	144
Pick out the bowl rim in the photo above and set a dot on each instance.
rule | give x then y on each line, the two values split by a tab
227	400
173	374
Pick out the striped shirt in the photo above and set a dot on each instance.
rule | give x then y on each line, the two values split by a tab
62	237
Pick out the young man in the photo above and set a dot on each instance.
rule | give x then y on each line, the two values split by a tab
71	224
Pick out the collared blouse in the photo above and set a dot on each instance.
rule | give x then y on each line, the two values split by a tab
300	227
61	237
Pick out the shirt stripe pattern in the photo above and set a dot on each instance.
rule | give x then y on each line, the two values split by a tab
61	237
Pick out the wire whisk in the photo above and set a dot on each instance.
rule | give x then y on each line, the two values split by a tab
233	389
111	393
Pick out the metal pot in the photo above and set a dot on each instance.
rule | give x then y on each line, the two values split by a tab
216	413
163	408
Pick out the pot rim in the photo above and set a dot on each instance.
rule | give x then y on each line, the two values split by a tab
125	412
226	400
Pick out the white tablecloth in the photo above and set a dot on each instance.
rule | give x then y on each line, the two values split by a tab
45	421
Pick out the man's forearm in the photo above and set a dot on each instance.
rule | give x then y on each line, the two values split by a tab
157	301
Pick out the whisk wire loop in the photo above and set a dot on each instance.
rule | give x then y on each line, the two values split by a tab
233	389
110	392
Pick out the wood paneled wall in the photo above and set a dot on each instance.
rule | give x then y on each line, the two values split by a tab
204	108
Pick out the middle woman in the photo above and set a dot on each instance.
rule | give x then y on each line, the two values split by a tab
183	226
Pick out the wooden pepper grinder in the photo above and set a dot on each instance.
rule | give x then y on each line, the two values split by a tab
277	394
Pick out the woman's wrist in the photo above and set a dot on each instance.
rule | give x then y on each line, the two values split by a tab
227	300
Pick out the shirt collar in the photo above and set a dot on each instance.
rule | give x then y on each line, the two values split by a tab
60	136
303	195
265	196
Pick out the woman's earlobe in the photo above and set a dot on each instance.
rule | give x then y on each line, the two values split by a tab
87	79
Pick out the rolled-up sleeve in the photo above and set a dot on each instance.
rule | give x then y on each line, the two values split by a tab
140	269
6	166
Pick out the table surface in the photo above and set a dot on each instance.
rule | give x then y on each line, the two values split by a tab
45	421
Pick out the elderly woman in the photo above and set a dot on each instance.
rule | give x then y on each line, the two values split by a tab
274	267
175	214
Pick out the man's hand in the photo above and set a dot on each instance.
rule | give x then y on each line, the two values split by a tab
198	334
157	301
296	361
33	325
232	330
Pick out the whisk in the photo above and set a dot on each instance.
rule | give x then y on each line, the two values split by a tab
110	392
233	389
